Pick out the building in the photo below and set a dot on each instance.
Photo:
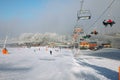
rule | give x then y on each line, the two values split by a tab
87	45
115	43
106	45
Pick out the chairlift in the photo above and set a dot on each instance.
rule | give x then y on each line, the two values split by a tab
81	39
108	22
86	36
83	14
94	32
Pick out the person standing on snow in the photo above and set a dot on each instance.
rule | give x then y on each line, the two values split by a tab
50	52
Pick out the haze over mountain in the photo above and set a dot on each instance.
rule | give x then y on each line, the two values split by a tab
56	16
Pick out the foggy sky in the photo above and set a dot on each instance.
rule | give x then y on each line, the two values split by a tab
57	16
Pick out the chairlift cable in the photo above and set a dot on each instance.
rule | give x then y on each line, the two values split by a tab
102	13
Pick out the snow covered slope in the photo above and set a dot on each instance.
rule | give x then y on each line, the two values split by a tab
36	63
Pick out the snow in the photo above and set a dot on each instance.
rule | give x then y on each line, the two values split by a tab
36	63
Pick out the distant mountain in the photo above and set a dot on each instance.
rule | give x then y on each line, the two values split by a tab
38	38
114	35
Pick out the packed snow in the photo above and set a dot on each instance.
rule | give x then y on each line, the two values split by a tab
36	63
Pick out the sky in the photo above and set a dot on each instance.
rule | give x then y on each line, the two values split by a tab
56	16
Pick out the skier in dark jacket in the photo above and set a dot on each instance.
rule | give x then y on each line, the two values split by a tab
50	52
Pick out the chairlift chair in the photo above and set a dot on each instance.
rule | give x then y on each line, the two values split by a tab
94	32
81	39
86	36
83	14
108	22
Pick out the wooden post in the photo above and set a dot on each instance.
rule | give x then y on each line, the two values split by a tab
119	73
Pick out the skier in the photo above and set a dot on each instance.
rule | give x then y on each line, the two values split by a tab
50	52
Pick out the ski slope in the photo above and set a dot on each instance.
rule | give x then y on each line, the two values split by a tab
36	63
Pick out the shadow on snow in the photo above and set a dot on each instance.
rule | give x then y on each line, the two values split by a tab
111	54
110	74
12	68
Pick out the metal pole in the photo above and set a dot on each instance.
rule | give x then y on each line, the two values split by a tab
81	5
5	42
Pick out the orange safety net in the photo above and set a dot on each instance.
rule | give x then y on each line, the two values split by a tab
4	51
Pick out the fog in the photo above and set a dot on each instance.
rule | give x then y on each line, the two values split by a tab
56	16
